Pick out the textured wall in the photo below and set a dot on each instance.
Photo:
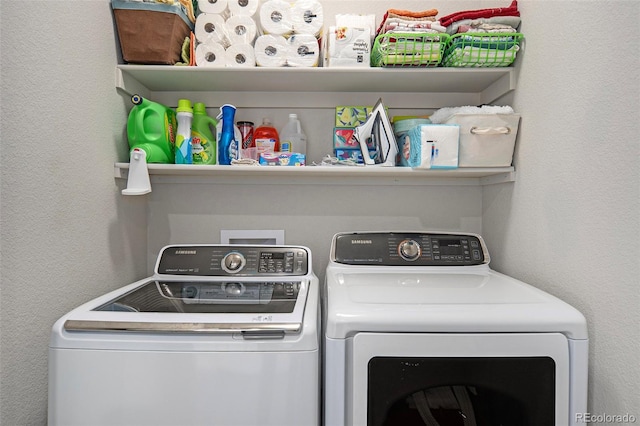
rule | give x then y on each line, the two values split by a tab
570	224
66	233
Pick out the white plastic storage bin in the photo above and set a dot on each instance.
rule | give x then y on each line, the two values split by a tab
486	140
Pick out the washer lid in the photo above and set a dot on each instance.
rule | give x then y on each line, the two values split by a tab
198	306
455	299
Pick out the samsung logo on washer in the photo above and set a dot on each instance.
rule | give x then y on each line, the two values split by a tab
185	252
361	242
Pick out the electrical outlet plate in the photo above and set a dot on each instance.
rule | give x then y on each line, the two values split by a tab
252	236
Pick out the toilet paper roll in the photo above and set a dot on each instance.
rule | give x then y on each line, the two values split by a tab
304	51
275	17
212	6
240	55
271	51
210	28
241	30
307	17
243	7
210	55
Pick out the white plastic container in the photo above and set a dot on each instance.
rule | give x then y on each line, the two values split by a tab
292	138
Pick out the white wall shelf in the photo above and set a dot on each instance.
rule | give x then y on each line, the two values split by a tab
322	175
402	88
318	87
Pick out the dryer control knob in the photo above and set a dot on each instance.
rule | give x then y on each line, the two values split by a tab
233	262
409	250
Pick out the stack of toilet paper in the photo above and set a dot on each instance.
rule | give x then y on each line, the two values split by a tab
225	32
289	33
267	33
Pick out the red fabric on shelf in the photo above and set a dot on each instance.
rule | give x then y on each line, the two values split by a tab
512	10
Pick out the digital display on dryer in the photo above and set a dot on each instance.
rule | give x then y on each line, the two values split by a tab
451	247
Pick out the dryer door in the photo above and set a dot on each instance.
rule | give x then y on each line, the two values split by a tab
458	379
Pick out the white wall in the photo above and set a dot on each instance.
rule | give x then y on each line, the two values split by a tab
68	235
570	224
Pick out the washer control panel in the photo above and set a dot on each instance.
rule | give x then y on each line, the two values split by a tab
230	260
408	249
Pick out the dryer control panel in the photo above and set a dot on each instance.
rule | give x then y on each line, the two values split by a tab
408	249
232	260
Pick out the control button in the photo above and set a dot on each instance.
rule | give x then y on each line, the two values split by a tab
233	262
476	255
409	250
474	244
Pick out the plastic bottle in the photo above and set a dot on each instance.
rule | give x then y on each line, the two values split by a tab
183	135
203	141
228	143
292	138
152	127
266	137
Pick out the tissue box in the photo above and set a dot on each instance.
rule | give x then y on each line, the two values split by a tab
352	116
430	146
348	47
343	137
282	159
346	146
150	33
486	140
349	154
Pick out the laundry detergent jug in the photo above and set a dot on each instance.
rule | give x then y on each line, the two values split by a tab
203	141
152	127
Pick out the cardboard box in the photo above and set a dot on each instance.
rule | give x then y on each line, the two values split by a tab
349	154
352	116
282	159
343	138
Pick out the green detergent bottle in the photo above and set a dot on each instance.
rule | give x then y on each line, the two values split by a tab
203	141
152	127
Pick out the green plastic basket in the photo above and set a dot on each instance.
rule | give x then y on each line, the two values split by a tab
482	50
408	50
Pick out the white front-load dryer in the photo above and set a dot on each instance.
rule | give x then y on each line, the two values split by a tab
219	335
420	331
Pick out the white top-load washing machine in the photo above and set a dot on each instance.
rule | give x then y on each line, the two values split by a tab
420	331
219	335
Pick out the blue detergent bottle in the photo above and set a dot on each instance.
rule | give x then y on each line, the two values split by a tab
228	144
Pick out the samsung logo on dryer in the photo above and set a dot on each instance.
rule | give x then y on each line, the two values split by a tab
182	251
362	242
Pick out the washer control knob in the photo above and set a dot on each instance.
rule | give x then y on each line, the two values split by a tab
233	262
409	250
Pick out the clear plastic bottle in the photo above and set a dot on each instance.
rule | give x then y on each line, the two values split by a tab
292	138
183	135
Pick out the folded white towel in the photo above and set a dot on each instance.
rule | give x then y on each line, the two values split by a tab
441	115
